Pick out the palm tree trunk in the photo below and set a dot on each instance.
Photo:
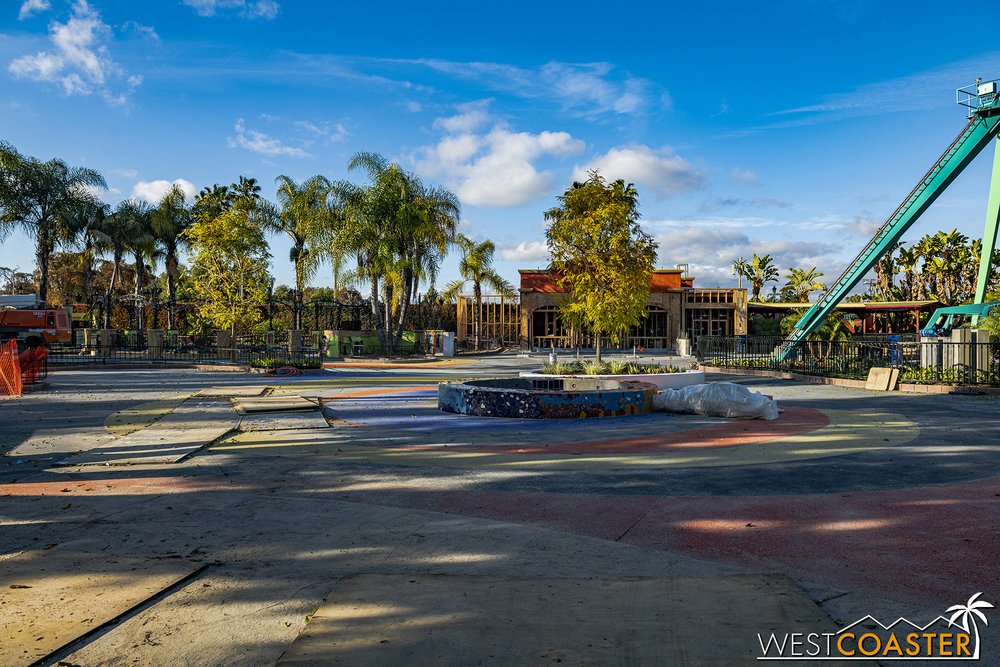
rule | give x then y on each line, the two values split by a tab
140	275
404	305
171	266
42	260
477	317
376	312
109	306
387	307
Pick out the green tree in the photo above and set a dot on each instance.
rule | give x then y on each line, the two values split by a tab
760	271
38	198
86	223
171	217
476	267
398	229
229	265
602	258
303	215
126	228
803	282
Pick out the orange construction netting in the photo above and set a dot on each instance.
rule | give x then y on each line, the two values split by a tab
10	370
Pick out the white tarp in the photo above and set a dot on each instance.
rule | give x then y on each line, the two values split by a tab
717	399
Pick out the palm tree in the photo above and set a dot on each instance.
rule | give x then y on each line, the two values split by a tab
477	267
741	269
125	229
907	262
398	229
969	612
803	282
169	221
428	223
302	216
761	271
85	224
38	197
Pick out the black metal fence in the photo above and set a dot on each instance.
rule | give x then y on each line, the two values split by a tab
262	350
920	361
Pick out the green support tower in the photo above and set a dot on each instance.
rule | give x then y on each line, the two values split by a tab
983	102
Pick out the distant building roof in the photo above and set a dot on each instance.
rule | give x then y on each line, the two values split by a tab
660	280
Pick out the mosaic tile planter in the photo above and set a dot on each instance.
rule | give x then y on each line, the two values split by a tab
659	380
547	399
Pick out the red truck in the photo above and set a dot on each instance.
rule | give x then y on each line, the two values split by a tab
36	325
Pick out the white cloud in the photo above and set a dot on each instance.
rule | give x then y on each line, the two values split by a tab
470	117
251	9
147	31
711	247
153	191
81	62
30	7
258	142
527	251
588	89
747	176
330	132
496	168
661	171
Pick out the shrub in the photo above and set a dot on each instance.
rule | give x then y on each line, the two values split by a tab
275	362
594	368
617	368
561	368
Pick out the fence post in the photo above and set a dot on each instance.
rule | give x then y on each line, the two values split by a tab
294	342
104	342
90	341
154	343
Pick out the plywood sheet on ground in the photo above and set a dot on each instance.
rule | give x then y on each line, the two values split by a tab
882	379
466	620
192	425
51	598
151	445
233	392
275	404
281	421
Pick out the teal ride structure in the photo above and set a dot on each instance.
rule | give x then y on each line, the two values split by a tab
982	99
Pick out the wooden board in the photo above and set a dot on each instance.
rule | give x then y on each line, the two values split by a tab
233	392
282	421
183	431
51	598
882	379
388	619
151	445
274	404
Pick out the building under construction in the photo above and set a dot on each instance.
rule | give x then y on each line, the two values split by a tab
533	319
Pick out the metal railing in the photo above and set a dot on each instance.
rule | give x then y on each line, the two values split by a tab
249	349
920	361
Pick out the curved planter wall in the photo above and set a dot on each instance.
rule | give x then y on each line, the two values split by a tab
517	398
659	380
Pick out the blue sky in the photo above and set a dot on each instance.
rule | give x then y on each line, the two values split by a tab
791	127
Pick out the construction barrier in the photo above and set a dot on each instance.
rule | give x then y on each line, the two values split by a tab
34	364
10	370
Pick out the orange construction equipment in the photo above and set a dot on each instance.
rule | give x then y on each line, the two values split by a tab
48	325
10	370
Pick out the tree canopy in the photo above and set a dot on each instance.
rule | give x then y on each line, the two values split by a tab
601	256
